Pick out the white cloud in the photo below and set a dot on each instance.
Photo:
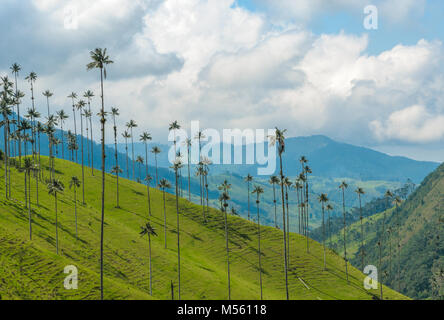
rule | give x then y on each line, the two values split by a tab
412	124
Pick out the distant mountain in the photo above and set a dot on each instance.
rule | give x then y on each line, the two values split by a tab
327	158
418	226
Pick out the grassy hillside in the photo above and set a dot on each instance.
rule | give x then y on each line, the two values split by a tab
421	233
32	270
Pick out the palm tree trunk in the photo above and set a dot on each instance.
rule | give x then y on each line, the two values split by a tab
127	165
57	224
275	205
248	194
323	236
132	151
189	174
5	157
117	162
151	274
228	251
155	159
288	227
164	218
178	234
92	141
345	232
284	228
81	146
379	270
259	244
75	208
75	127
362	234
29	208
103	183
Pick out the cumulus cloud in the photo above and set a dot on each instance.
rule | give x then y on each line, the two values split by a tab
213	61
412	124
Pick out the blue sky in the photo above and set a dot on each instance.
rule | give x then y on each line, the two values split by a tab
307	65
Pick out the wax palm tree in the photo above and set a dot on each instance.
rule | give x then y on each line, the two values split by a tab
173	127
188	143
329	209
115	113
55	187
307	171
75	183
398	202
48	94
126	136
287	183
27	168
148	180
73	96
388	196
116	170
323	199
248	180
6	111
380	269
100	60
32	77
274	181
62	116
139	161
148	230
156	150
206	166
131	125
343	186
279	138
145	137
298	186
360	192
80	105
225	187
89	95
258	191
15	69
89	143
164	184
176	167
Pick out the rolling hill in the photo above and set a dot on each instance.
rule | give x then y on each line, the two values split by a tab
420	264
32	269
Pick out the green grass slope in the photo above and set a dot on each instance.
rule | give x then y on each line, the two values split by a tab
32	270
421	237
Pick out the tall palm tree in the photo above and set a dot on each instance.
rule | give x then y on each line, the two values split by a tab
62	116
173	127
343	186
287	183
225	187
15	69
176	167
27	168
115	113
6	111
48	94
279	138
126	136
100	60
298	186
274	181
145	137
148	230
131	125
380	270
164	184
398	202
307	171
75	183
323	199
248	180
156	150
148	180
40	130
32	77
88	115
329	208
73	96
55	186
188	142
360	192
80	105
139	161
89	95
388	195
258	191
116	170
